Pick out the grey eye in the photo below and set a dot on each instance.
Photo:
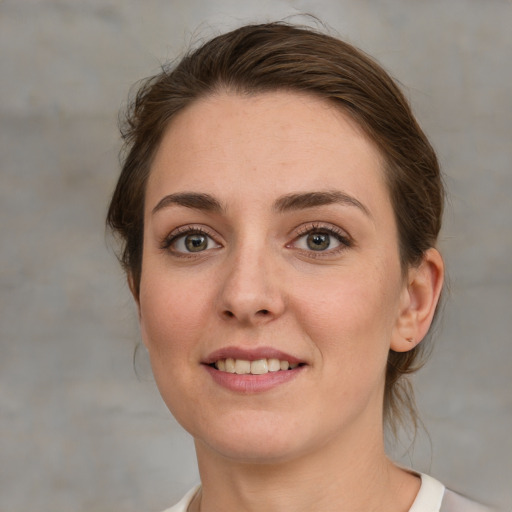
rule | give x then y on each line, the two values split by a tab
318	241
193	242
196	242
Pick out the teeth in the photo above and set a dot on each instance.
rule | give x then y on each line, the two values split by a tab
274	365
258	367
242	366
230	365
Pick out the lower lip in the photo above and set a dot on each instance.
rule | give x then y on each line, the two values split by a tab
249	383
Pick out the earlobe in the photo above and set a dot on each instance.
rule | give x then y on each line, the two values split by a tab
418	302
134	291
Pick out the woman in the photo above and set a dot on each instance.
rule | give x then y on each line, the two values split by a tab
279	208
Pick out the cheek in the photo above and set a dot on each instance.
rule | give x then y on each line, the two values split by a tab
173	311
172	320
350	318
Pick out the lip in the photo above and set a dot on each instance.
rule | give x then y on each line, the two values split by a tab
248	383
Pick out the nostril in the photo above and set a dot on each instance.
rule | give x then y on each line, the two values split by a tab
258	314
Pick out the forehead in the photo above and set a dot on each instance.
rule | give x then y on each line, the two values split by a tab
283	141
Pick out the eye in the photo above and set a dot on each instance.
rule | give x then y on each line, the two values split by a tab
321	239
187	241
317	241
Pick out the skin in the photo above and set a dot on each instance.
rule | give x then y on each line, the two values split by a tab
314	442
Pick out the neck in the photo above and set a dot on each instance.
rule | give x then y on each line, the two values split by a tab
350	474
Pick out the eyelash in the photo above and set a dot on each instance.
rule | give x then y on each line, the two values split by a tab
328	229
305	230
181	232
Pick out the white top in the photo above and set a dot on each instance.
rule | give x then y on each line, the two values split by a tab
432	497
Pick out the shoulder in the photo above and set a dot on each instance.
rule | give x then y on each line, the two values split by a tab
434	497
430	495
454	502
183	504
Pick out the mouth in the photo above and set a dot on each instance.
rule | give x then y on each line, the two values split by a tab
252	370
254	367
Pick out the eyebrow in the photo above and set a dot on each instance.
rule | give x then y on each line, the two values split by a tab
288	202
195	200
303	200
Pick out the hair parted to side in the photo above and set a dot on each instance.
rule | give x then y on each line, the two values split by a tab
280	56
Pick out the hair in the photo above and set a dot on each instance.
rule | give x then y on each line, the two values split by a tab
280	56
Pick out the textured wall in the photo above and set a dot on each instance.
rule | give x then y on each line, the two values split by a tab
78	430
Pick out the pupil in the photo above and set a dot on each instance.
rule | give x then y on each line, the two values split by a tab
318	241
195	243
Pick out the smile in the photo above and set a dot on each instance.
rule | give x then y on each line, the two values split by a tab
256	367
252	370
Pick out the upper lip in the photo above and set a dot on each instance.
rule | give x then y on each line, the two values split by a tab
250	354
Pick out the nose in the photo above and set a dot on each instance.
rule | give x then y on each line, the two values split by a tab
251	292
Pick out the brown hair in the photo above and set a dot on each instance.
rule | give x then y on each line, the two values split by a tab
277	56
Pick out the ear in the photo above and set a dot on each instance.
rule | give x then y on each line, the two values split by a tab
418	302
134	289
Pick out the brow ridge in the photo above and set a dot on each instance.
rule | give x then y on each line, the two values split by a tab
288	202
303	200
195	200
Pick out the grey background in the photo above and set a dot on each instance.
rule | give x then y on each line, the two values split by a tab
78	429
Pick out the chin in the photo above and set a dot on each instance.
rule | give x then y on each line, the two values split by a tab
255	450
269	439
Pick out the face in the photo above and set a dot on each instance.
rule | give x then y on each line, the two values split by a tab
271	282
